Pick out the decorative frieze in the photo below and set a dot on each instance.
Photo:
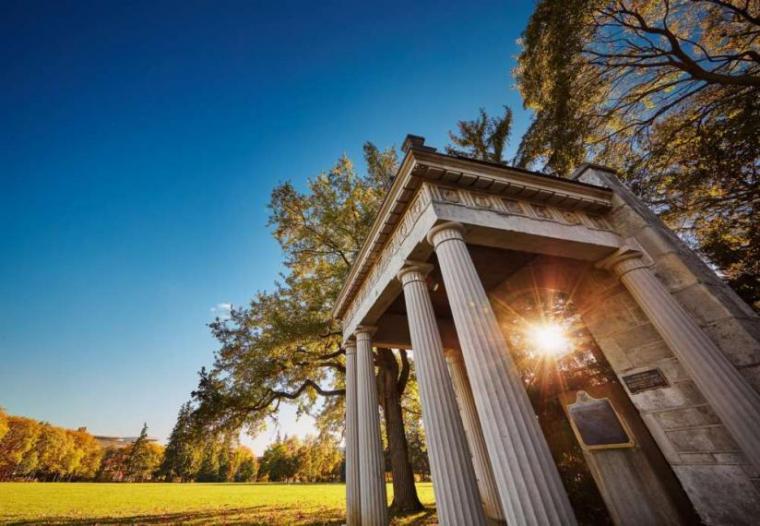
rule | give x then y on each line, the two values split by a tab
515	206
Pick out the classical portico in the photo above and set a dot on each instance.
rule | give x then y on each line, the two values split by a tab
671	431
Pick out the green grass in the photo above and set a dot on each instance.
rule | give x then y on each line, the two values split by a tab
160	503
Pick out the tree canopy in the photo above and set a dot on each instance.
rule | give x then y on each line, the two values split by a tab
667	92
284	346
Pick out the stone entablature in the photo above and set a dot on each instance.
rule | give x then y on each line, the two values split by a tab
426	177
520	207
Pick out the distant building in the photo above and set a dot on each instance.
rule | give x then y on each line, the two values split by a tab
118	442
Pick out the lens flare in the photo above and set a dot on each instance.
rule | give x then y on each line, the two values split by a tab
549	339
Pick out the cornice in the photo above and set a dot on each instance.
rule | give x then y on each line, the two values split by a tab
509	181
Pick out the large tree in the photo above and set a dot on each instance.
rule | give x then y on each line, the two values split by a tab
285	346
667	92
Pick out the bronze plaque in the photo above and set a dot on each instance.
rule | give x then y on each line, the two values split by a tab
645	380
597	424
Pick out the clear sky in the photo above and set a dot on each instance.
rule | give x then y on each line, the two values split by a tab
139	143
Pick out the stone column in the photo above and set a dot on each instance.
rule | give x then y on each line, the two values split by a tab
530	489
725	389
454	482
374	502
353	495
489	494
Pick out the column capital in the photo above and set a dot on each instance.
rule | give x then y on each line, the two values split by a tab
445	231
350	346
413	271
364	331
623	260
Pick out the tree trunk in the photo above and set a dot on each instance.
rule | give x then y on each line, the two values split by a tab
392	384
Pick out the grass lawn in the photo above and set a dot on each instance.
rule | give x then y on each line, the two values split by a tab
164	503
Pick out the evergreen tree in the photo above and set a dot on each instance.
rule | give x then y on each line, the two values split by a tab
208	470
483	138
141	459
182	456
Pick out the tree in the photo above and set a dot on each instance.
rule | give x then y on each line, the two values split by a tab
483	138
18	454
3	423
90	454
392	381
281	461
285	346
667	92
219	459
55	453
209	468
143	458
113	466
182	456
321	459
290	459
31	449
554	84
248	467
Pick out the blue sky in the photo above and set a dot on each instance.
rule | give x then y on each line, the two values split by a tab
138	147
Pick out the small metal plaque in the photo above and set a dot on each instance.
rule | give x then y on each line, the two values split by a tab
645	380
596	423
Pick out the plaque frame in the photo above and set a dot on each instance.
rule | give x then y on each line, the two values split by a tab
631	443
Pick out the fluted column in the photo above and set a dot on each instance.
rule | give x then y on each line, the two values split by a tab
530	488
489	493
454	482
374	503
726	390
353	495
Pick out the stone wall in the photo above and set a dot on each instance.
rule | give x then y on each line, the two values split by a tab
704	457
726	318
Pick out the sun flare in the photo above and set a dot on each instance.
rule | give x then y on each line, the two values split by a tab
549	339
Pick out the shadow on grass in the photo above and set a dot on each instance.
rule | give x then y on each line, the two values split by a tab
422	518
253	516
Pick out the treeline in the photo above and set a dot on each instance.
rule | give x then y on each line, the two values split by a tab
192	455
37	450
315	459
34	450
